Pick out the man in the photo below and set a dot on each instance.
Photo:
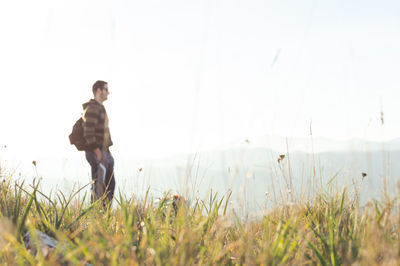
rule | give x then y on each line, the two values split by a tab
98	140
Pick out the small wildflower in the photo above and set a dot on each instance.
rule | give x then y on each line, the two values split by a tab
142	224
151	252
363	175
267	195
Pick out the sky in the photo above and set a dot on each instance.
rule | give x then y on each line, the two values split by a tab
191	75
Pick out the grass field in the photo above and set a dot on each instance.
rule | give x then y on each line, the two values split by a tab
329	229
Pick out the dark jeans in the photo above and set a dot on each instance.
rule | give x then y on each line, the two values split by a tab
108	185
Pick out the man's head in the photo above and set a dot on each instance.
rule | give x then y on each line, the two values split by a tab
100	91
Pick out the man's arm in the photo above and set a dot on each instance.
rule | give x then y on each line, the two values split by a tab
90	120
98	154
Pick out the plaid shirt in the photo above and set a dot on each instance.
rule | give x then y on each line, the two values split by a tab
95	126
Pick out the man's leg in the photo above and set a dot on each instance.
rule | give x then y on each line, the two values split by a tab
110	180
96	187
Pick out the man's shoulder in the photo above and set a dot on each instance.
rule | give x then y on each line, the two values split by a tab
93	105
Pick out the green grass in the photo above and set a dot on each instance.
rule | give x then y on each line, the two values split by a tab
330	229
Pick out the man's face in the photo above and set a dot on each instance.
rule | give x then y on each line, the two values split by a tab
104	92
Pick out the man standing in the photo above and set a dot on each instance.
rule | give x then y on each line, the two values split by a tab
98	140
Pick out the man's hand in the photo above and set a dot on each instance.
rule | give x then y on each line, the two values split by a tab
98	154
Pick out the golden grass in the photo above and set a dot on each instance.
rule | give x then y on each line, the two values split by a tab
331	229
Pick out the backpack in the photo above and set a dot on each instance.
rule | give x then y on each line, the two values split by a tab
76	137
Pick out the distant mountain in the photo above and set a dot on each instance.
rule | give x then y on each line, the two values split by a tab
252	171
315	145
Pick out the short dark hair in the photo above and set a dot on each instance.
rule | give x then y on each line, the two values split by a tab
98	84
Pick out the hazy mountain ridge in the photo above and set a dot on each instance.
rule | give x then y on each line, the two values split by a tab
316	144
248	170
258	170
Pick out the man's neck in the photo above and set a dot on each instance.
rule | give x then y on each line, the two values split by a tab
98	100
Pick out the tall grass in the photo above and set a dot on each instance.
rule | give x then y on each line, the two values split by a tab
329	229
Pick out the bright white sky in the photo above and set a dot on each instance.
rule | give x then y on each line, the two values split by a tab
189	75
